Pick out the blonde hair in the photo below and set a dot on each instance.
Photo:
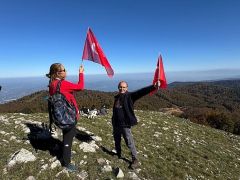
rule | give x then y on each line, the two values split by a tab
53	71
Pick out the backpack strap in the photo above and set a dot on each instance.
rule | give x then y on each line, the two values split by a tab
58	86
50	116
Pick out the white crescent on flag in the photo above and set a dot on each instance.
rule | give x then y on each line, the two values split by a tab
93	47
93	52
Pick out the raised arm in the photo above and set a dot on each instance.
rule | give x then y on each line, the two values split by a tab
142	92
68	86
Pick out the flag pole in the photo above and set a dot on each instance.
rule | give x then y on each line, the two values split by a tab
158	70
82	58
81	63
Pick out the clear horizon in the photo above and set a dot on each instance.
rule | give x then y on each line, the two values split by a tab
235	71
14	88
171	76
190	35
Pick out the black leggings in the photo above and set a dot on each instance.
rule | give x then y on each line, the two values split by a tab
68	136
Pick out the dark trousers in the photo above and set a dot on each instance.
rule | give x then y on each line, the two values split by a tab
118	132
68	136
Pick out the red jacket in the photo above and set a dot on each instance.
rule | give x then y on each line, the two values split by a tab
67	88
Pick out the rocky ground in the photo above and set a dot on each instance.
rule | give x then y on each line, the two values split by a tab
168	148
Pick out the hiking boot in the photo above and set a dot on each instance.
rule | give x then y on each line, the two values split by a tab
135	164
71	168
119	156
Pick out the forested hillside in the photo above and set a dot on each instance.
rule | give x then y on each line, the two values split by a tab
216	104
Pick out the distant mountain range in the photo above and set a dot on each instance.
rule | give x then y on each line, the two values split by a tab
14	88
213	103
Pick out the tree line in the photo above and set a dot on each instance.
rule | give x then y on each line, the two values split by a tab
215	104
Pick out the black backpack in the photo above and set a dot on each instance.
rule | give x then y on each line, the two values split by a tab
62	113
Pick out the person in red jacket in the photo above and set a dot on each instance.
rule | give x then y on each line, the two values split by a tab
58	72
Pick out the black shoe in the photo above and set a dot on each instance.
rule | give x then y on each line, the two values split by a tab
119	155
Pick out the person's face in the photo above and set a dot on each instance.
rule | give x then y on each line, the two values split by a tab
122	88
62	72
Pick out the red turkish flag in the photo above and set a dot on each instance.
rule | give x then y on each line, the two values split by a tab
159	75
93	52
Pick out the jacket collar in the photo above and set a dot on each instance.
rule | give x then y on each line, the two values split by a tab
121	94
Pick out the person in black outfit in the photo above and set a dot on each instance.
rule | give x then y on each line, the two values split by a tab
124	118
103	111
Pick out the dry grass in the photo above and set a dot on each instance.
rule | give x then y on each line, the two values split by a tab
168	148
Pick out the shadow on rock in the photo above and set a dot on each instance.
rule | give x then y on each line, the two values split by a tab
104	149
83	136
41	139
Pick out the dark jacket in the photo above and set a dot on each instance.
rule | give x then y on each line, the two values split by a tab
127	101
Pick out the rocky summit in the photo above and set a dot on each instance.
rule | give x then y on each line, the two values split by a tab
168	148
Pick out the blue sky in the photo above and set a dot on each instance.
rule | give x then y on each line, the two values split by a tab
190	34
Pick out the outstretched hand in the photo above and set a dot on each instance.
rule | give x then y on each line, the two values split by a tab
81	69
157	84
